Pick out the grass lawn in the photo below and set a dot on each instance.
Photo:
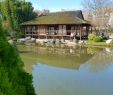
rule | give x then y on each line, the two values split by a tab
97	44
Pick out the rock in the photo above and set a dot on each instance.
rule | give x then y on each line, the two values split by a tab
111	36
62	40
40	41
33	40
57	41
37	41
110	41
27	38
52	41
80	42
22	40
10	41
45	40
71	44
67	41
75	40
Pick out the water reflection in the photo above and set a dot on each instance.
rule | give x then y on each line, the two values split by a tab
100	61
70	71
70	58
50	80
94	59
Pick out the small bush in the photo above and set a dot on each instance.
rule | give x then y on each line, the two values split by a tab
91	36
98	39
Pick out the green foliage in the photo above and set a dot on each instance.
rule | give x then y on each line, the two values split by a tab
15	12
13	79
25	11
91	36
95	38
98	39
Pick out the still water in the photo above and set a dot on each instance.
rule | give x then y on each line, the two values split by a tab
69	71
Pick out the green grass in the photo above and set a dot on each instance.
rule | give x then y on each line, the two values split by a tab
97	44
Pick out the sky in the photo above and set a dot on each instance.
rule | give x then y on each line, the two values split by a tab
56	5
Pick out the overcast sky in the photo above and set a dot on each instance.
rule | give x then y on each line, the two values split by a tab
56	5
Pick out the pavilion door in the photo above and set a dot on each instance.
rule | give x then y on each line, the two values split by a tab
62	30
42	30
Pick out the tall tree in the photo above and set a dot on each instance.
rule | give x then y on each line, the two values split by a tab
99	11
15	12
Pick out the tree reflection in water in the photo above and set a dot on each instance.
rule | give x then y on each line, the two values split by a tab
101	60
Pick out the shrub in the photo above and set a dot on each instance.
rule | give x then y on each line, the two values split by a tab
98	39
13	79
95	38
91	36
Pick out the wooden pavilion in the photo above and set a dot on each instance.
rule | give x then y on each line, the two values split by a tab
58	25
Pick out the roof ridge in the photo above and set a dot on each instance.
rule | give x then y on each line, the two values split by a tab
66	11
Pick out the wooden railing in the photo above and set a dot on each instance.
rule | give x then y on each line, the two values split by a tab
55	33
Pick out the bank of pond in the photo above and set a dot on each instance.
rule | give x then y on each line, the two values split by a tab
13	78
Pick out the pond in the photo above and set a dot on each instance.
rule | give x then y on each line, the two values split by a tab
69	71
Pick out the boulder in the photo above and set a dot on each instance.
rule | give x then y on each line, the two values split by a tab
71	44
62	40
111	37
75	40
21	40
45	40
57	41
10	41
40	41
27	38
37	41
110	41
33	39
81	42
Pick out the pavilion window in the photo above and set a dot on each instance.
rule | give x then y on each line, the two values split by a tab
64	29
51	30
29	29
78	31
85	31
68	28
72	28
33	29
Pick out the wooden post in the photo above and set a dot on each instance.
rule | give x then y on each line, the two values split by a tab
80	33
91	30
87	30
25	28
38	32
32	31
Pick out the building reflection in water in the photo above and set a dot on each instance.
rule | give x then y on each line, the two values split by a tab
69	70
70	58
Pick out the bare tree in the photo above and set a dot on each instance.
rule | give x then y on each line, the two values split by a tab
42	12
98	11
94	5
